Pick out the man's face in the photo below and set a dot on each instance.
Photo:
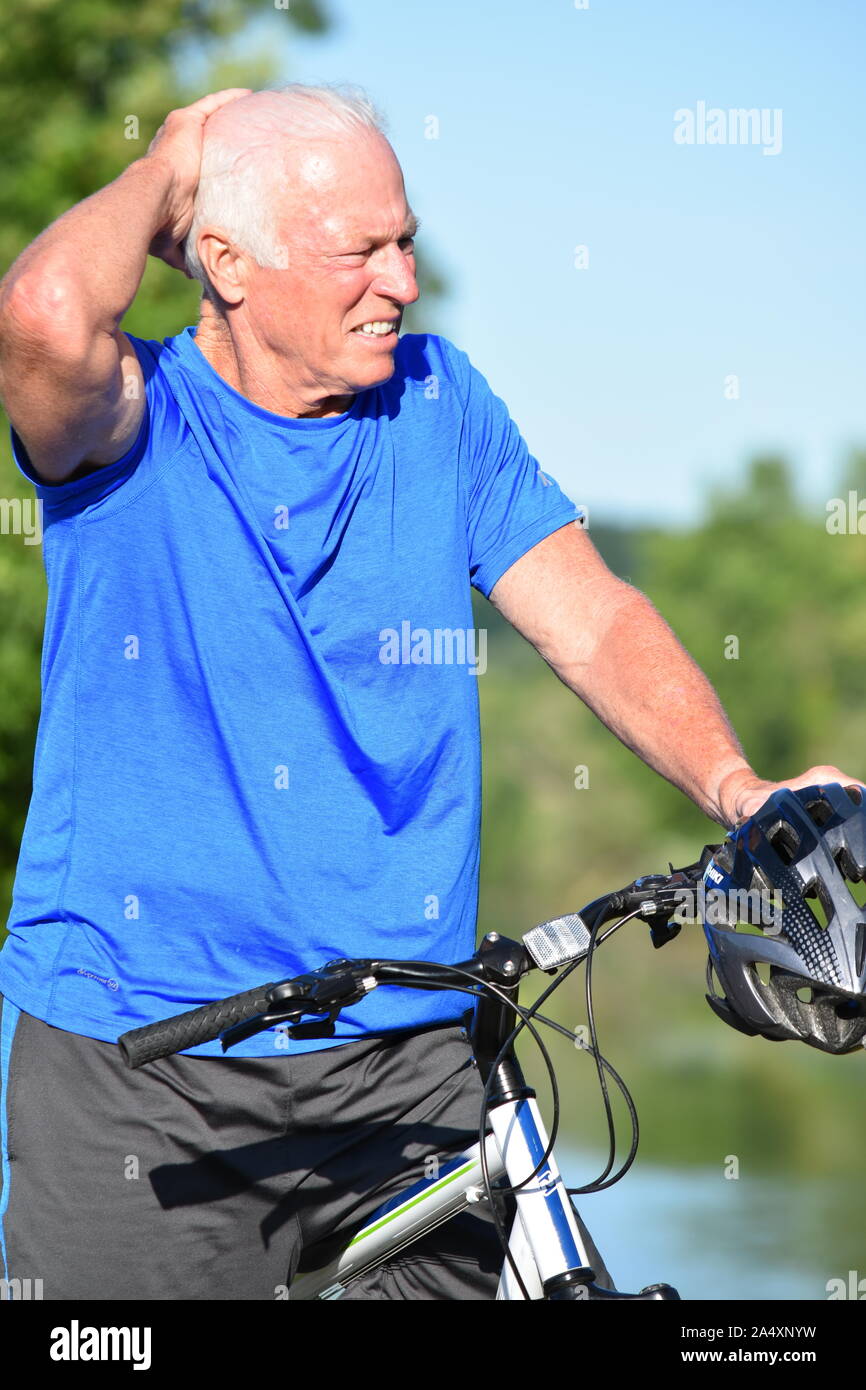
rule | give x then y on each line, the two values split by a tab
349	260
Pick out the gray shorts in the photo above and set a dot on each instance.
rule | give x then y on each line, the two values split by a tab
220	1178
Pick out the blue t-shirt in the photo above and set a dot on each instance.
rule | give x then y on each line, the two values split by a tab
259	743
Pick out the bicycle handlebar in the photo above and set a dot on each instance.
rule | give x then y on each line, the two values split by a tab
340	983
326	991
201	1025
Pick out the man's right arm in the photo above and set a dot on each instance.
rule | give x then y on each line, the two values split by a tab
70	380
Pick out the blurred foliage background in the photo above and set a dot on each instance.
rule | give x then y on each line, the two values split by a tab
758	567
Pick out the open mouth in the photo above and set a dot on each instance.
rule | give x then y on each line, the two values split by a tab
378	330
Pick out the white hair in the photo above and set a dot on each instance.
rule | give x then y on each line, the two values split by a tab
236	189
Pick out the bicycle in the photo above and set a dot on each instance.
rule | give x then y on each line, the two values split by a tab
544	1256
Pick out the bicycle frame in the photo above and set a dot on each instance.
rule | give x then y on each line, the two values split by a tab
544	1238
544	1241
456	1185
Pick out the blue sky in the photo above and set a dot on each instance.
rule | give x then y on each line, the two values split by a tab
706	262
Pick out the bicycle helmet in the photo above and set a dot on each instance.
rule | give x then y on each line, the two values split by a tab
802	974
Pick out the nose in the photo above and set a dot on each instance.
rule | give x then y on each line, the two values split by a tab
395	277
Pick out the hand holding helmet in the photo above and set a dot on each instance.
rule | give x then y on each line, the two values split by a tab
799	971
742	793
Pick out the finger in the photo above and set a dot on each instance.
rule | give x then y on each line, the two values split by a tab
214	100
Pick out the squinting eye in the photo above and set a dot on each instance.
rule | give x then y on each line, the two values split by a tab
406	242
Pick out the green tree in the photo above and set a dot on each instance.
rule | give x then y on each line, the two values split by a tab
769	602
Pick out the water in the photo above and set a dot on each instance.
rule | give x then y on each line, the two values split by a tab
715	1238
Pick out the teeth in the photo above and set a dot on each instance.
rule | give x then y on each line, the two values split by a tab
377	326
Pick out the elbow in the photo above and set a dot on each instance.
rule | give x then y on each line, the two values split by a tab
40	309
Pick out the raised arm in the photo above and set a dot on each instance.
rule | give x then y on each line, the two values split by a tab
70	380
606	641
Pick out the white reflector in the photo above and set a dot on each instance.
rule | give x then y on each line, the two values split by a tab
558	942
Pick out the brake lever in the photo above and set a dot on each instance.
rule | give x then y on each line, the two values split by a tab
658	896
328	990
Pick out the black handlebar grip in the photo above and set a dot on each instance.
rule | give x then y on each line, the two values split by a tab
200	1025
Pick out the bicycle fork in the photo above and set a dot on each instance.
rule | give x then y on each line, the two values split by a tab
546	1243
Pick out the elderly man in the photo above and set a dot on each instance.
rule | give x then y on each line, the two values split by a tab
235	777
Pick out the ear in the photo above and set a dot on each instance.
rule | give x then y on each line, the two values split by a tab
226	267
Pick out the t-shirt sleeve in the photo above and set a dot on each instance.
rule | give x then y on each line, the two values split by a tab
88	491
511	503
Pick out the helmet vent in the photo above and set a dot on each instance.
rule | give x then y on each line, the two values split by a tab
762	969
860	948
820	903
785	841
820	811
856	795
857	889
805	994
846	865
854	880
